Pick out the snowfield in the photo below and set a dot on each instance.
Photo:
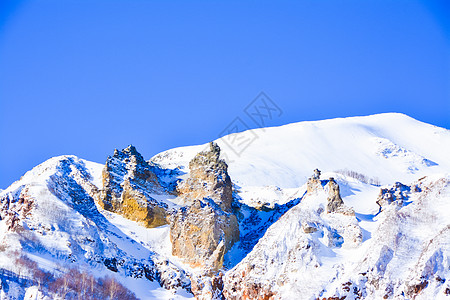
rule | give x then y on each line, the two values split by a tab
392	147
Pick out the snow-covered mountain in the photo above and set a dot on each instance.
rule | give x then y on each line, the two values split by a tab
391	146
213	222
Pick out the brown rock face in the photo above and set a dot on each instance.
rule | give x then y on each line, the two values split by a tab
128	182
335	202
248	289
313	184
204	230
202	234
208	179
15	209
334	197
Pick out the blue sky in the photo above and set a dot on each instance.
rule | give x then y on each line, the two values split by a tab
84	77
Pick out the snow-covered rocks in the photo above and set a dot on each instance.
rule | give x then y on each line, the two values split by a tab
294	250
406	255
335	202
398	194
243	227
51	216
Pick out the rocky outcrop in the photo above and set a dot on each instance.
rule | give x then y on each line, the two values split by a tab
205	229
316	174
55	202
15	208
309	227
250	291
313	184
206	287
128	183
208	178
202	233
396	194
335	202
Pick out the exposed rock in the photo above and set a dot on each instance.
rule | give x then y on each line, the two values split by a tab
313	184
334	197
208	178
253	291
202	233
15	208
57	204
309	227
317	173
417	288
398	194
204	230
128	182
208	287
335	202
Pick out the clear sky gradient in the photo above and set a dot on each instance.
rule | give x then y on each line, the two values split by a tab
84	77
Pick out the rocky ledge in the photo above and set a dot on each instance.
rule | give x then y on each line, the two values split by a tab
128	183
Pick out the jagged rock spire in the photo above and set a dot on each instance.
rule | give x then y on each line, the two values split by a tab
208	178
317	173
334	196
204	231
128	181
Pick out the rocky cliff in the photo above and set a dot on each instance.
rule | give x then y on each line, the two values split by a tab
202	233
205	229
208	178
398	194
128	185
303	252
335	202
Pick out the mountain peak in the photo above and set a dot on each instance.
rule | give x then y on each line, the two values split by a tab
387	146
212	221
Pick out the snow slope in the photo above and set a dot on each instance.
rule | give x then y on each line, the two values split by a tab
391	255
391	147
64	227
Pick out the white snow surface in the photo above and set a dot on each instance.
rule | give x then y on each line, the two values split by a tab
390	146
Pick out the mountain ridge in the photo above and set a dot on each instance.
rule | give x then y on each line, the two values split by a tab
375	135
261	220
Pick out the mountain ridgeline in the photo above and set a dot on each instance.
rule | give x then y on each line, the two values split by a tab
201	222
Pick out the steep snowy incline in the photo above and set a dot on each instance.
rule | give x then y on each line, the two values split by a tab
50	216
390	147
401	253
